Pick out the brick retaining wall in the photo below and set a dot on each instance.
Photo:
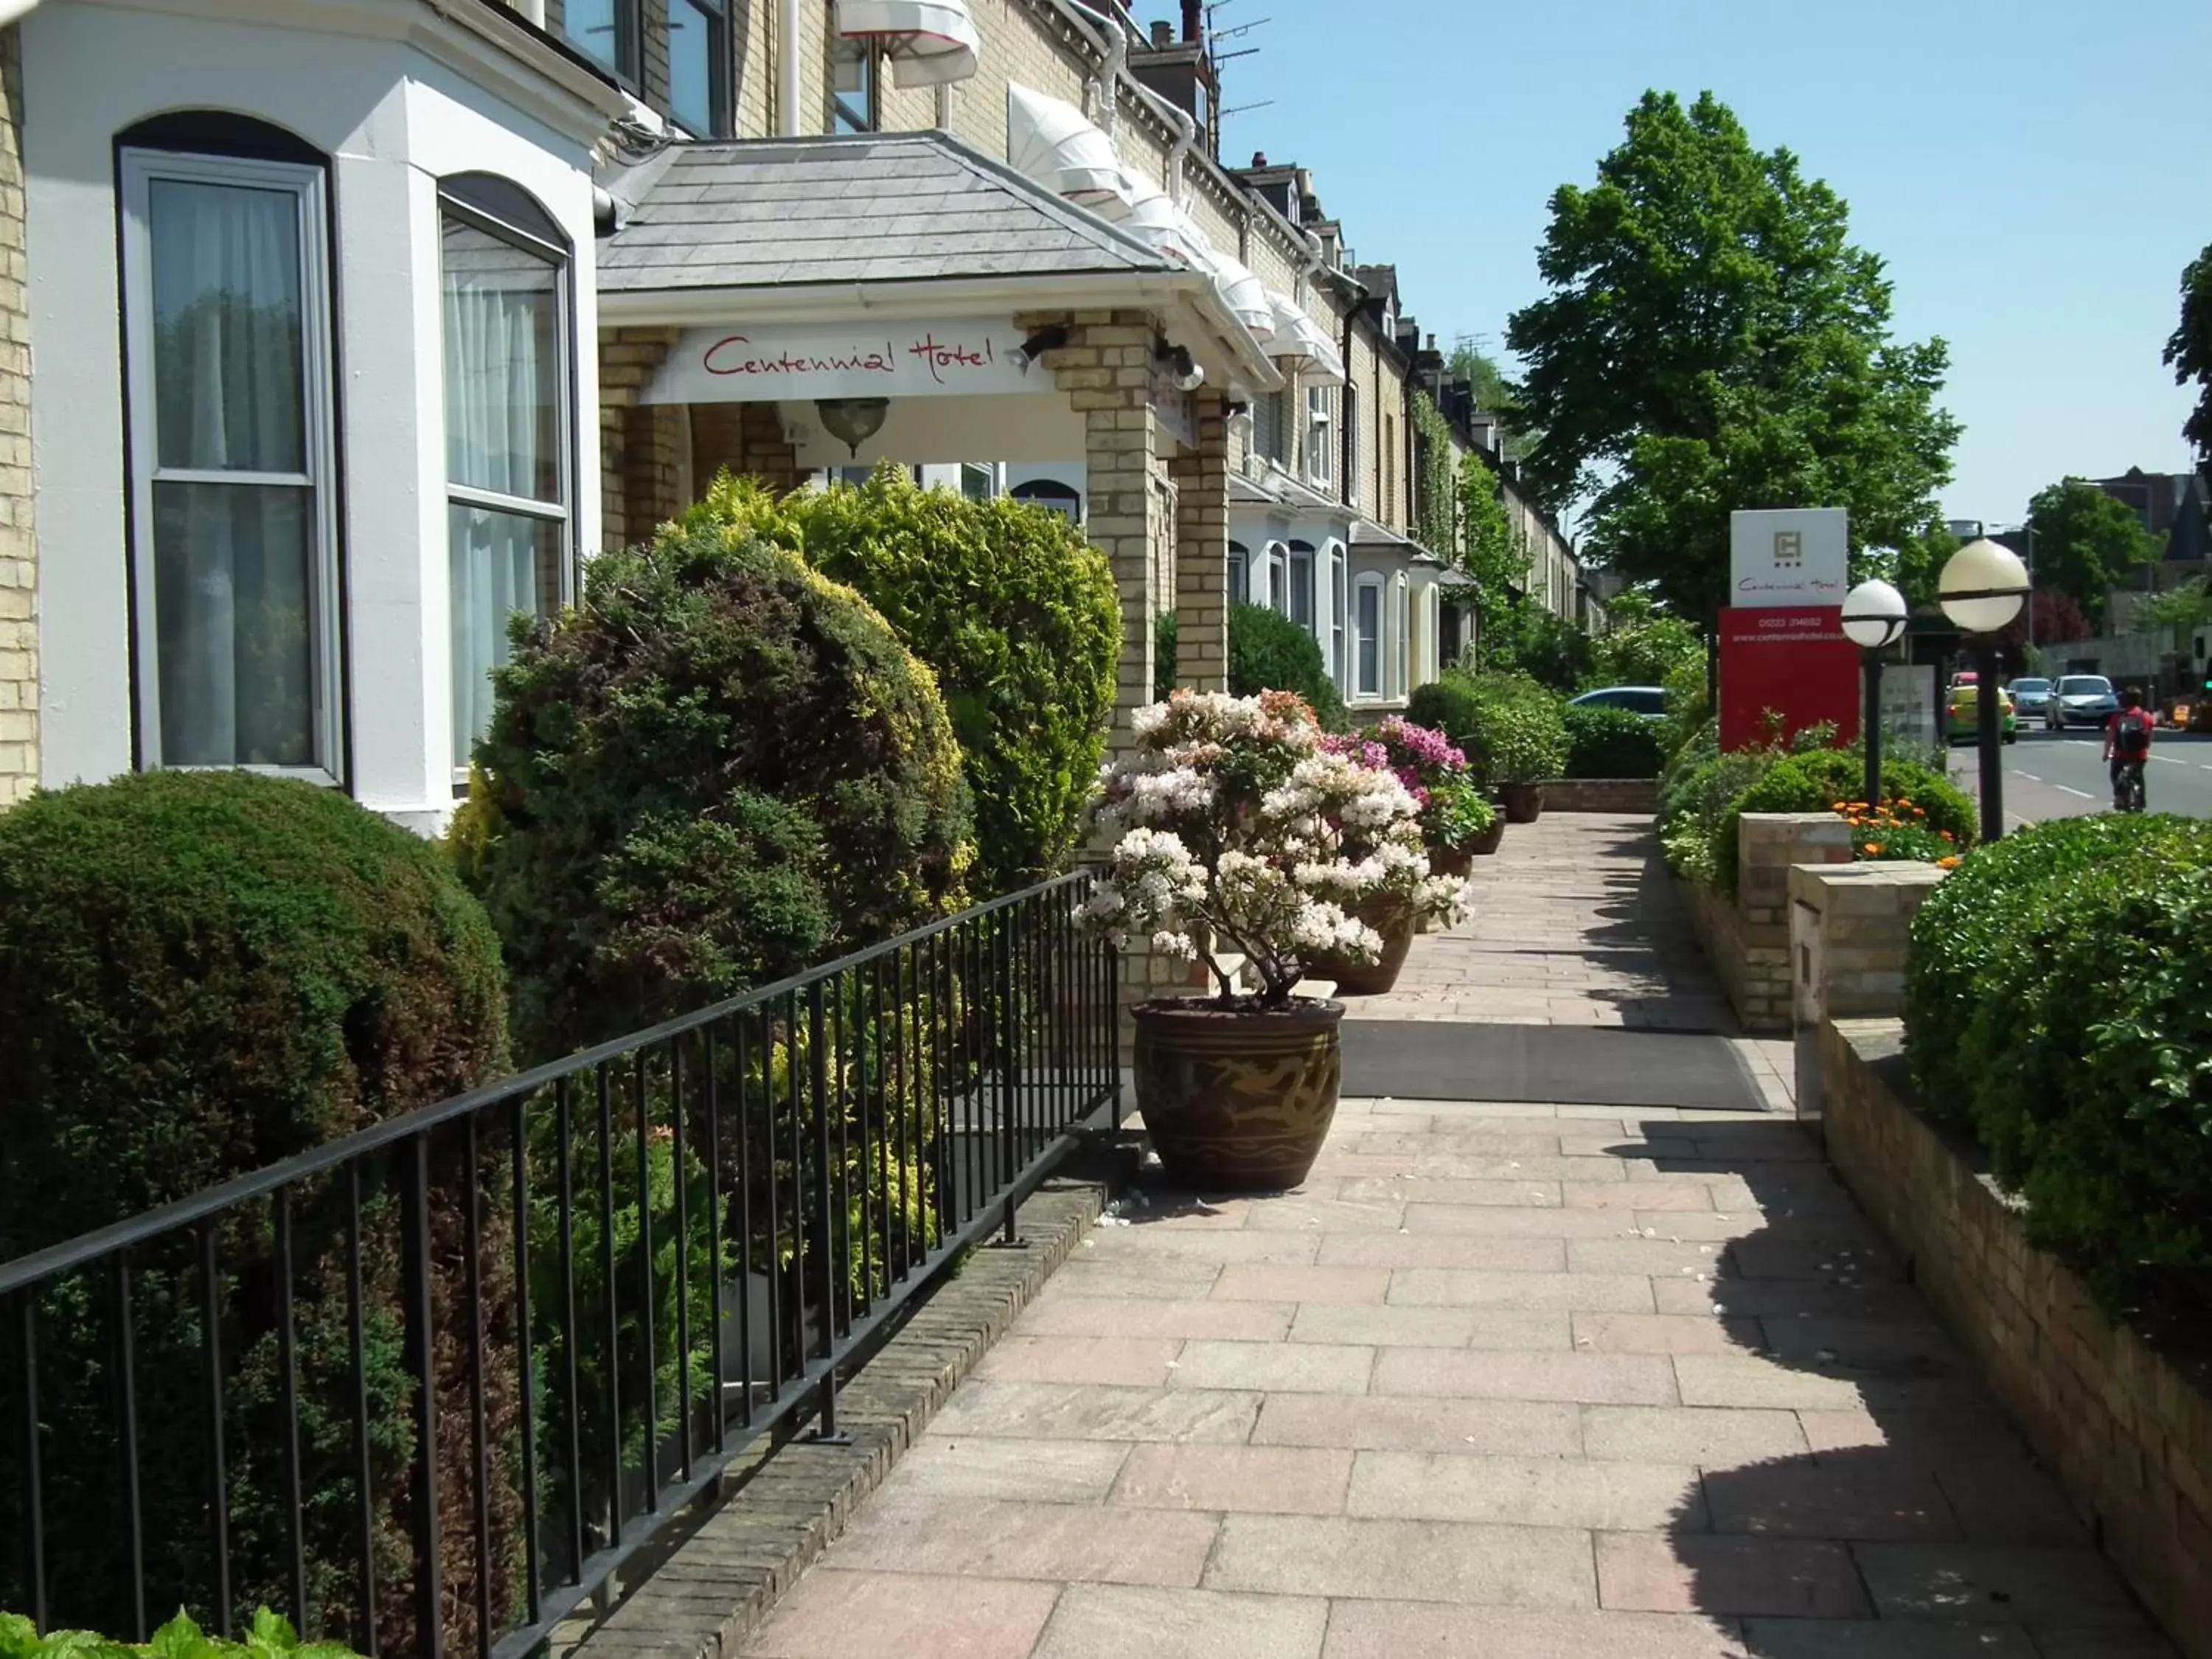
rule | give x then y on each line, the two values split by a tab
2127	1433
1601	795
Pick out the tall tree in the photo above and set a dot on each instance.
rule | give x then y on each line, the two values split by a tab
1493	391
1714	342
2085	541
2188	352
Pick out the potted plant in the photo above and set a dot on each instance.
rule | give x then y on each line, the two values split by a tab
1524	741
1457	822
1231	828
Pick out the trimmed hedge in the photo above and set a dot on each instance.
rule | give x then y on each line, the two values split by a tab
1016	613
717	768
203	974
1815	780
2058	1007
1611	743
1269	652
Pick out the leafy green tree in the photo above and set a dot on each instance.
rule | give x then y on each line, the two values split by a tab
1493	557
2189	352
2187	605
2085	541
1644	646
1493	391
1919	563
1713	341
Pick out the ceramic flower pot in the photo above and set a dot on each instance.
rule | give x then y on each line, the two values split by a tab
1237	1102
1524	802
1490	840
1454	861
1394	918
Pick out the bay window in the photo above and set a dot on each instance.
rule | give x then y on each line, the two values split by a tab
1301	585
505	312
234	541
1367	617
1279	579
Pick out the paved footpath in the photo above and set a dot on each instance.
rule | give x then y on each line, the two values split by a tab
1520	1381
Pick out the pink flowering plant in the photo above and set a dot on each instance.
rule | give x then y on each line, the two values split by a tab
1455	812
1235	824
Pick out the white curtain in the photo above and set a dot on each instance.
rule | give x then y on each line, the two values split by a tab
502	437
233	600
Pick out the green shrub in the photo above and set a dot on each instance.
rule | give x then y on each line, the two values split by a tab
1511	727
718	768
1689	709
1016	613
1696	801
1269	652
1164	656
268	1636
203	974
2058	1007
1814	782
1611	743
1446	704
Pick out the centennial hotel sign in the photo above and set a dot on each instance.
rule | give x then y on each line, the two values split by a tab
938	358
1783	655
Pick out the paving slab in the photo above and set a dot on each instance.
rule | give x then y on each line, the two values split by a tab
1388	1630
1102	1621
1425	1561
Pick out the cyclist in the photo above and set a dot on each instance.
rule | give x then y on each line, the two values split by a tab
2127	747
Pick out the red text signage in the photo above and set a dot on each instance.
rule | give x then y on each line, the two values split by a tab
1792	667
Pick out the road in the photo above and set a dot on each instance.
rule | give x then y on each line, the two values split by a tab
2051	774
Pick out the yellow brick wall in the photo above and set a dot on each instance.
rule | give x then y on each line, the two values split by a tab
19	553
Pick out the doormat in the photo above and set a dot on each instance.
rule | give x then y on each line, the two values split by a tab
1567	1066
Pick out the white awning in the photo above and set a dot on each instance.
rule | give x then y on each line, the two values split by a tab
931	43
1242	292
1158	222
1300	339
1053	144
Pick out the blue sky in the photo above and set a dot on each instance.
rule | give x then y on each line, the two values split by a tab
2036	174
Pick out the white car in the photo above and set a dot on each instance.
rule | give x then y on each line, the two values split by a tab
2081	700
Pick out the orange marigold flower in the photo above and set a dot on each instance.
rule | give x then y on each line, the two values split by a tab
1947	836
1951	863
1838	806
1874	847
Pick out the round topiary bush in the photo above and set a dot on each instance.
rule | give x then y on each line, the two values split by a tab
1015	611
1446	704
717	768
1611	743
1269	652
203	974
2058	1007
1815	780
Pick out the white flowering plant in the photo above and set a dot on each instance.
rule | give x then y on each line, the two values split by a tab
1234	824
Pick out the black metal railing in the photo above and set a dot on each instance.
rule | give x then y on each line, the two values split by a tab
426	1388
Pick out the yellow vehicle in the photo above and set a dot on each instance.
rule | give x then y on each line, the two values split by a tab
1962	713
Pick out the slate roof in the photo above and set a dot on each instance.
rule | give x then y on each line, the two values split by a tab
870	208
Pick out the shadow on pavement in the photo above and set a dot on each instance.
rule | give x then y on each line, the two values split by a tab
1909	1521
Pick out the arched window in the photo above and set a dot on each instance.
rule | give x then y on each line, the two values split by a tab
229	375
1052	496
504	286
1301	585
1339	616
1402	620
1279	579
1367	635
1239	559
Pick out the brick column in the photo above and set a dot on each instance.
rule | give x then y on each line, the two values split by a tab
746	438
1201	594
640	444
19	551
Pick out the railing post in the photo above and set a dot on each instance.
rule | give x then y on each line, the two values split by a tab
1003	1041
825	1430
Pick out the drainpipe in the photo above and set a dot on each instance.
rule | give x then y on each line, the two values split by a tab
1113	42
533	12
786	68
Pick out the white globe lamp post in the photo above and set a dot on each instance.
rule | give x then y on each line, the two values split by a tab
1981	590
1874	620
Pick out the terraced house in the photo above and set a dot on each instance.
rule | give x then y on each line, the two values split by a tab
421	304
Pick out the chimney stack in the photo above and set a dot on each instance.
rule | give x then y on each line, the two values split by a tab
1259	158
1162	32
1193	20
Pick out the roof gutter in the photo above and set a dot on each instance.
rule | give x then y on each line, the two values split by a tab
11	10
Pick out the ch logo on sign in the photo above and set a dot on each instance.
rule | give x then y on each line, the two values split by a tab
1789	549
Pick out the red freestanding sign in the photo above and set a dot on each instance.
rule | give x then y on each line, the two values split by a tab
1792	662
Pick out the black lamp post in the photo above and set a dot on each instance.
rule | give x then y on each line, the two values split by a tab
1874	620
1982	589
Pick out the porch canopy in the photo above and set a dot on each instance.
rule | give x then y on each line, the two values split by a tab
1300	340
892	267
931	43
1055	145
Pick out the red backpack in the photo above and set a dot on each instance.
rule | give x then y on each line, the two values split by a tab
2131	737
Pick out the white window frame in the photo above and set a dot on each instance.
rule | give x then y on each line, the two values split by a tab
1279	579
1320	462
1302	557
1362	686
1351	439
1340	618
713	21
308	185
563	261
1239	577
1401	660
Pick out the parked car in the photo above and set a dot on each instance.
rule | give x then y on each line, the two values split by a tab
2081	700
1649	700
2031	697
1962	711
